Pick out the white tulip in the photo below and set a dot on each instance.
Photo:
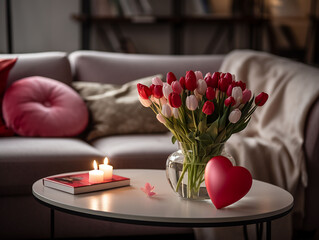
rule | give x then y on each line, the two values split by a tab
166	110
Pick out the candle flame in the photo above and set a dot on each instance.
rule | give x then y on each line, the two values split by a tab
106	161
95	165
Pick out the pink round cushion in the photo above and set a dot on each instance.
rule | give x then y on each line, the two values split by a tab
43	107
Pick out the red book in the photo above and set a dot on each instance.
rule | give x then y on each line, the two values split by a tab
79	183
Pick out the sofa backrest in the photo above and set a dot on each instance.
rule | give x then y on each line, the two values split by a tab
53	65
118	68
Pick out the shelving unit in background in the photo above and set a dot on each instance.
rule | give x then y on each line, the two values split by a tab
250	14
176	20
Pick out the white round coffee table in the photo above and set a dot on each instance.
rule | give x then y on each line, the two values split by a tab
263	203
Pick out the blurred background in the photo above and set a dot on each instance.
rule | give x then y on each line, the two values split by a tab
284	27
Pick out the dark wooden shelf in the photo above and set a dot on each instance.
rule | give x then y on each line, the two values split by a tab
169	19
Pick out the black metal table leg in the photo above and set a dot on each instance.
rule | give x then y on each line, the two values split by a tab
259	230
245	232
268	230
52	224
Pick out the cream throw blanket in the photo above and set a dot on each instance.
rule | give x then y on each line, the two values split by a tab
271	147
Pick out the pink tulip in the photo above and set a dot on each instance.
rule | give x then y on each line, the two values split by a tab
190	81
157	91
261	99
197	95
198	75
201	86
175	113
175	100
177	87
246	96
208	108
167	89
157	81
191	102
160	101
234	115
145	102
210	93
160	118
170	77
208	75
166	110
237	94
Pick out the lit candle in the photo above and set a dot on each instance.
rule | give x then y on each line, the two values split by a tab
96	176
107	169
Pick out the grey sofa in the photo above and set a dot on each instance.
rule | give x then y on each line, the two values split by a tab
22	217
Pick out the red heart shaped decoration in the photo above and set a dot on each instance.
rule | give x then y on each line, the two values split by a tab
225	183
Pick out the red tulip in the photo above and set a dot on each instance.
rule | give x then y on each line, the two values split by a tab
228	77
229	89
223	84
152	87
261	99
143	91
208	108
182	82
170	77
213	80
158	91
174	100
241	84
190	81
210	93
230	101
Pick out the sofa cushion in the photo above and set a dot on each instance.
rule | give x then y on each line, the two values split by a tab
25	160
119	68
116	109
38	106
5	67
148	151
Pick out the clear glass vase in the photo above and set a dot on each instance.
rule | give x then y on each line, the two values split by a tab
185	171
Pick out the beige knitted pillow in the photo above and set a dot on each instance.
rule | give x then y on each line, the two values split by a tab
115	109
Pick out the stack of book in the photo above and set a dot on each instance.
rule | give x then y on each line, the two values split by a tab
79	183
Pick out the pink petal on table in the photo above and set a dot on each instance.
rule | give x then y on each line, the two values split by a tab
148	189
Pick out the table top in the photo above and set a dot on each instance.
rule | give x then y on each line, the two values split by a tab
130	204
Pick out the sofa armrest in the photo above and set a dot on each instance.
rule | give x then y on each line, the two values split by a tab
53	65
119	68
311	146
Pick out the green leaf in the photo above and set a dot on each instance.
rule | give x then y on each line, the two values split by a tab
202	126
223	120
205	137
241	127
173	139
247	107
191	136
213	129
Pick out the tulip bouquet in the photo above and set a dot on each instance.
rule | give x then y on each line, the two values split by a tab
202	113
